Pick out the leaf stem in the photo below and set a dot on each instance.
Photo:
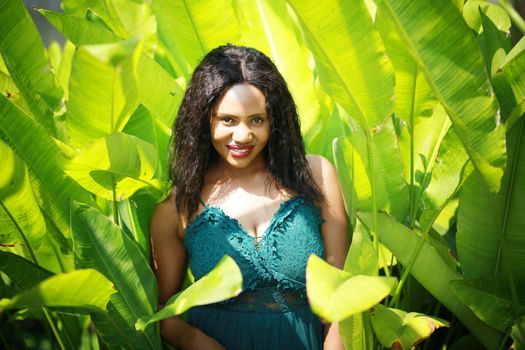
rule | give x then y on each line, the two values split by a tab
53	328
115	207
412	194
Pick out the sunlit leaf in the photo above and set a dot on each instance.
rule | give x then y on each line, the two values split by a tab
221	283
103	90
431	271
98	243
81	290
466	95
335	294
117	162
397	329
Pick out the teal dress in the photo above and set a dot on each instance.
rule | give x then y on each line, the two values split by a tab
272	312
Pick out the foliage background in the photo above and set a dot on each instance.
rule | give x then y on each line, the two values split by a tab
419	105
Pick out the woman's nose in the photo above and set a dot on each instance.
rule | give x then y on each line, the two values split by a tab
242	133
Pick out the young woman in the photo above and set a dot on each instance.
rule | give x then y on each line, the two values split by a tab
244	187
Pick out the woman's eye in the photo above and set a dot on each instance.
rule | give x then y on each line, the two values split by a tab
257	120
227	120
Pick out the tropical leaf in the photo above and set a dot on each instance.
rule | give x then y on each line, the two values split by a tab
397	329
188	30
160	93
491	300
518	334
490	226
357	332
362	256
103	90
377	176
221	283
115	166
20	216
431	271
472	14
53	189
22	272
442	55
29	66
509	82
82	291
100	244
335	294
341	37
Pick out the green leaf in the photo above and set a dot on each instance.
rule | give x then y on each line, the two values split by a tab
53	189
29	66
509	81
119	162
103	90
518	334
79	30
397	329
160	93
82	291
491	299
442	54
356	332
335	294
221	283
431	271
21	271
341	37
494	44
490	225
20	216
98	243
384	176
189	29
497	15
362	256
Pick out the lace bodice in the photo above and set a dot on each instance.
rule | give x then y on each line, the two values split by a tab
274	269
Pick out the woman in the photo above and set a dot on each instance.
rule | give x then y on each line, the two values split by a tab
245	188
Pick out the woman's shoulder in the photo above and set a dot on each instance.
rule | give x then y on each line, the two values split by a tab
320	166
165	216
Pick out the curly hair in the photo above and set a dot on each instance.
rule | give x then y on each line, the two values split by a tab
192	151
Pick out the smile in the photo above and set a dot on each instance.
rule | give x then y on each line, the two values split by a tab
240	152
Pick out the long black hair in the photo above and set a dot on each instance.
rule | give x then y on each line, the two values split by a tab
192	151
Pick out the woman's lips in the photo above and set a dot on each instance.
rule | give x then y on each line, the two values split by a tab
240	151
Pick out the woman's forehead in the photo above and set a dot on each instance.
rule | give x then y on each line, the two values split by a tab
241	100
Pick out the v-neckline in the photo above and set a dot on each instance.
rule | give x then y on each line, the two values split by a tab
243	229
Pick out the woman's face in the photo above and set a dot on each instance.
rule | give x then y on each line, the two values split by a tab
240	126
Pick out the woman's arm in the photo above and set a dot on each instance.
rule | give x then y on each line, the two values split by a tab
169	262
334	230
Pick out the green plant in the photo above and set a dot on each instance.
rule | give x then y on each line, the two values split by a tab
423	101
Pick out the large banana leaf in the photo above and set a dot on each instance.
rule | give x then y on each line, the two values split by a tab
491	227
384	175
44	159
431	271
336	295
221	283
453	65
341	36
160	93
20	216
25	57
115	166
103	90
100	244
81	291
189	29
22	272
491	299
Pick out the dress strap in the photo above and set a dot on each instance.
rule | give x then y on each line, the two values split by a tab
202	202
